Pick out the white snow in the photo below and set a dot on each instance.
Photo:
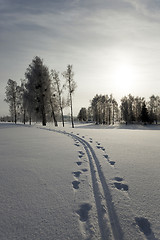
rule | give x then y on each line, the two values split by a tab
90	182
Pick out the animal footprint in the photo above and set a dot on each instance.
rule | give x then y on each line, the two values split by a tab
77	174
85	170
121	186
76	144
79	163
99	147
106	156
118	179
83	211
144	225
112	163
81	154
75	184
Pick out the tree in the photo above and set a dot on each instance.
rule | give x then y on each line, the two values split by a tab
82	115
127	106
115	110
59	91
137	108
144	113
94	106
90	114
71	85
11	98
38	89
53	104
104	109
22	101
124	109
154	108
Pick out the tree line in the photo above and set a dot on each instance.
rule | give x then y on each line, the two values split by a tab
40	96
104	110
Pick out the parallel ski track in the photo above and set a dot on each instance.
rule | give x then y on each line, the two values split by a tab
96	168
99	182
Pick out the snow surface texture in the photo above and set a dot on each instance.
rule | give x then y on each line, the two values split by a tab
83	183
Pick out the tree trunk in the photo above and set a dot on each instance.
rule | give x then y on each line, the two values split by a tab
44	119
71	111
24	116
54	118
53	114
109	116
30	120
43	111
15	118
62	116
113	115
15	115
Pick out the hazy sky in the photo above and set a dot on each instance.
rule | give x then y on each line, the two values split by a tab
113	45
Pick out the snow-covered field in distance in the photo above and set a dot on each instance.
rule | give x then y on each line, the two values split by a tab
90	182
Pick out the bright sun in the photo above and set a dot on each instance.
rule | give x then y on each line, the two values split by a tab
123	77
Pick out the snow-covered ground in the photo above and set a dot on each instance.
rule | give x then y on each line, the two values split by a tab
90	182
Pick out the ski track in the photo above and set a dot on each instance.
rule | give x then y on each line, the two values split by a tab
109	228
100	189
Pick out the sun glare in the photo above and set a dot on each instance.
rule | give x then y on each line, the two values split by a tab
124	78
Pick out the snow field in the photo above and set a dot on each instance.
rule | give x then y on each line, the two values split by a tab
82	183
37	198
133	177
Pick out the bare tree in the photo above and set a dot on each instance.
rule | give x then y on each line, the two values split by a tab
71	85
154	108
59	91
21	101
53	104
11	98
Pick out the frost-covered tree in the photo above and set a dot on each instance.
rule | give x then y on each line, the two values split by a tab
11	98
22	103
115	110
58	91
89	114
154	108
38	89
53	104
126	107
137	108
95	109
104	109
71	85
